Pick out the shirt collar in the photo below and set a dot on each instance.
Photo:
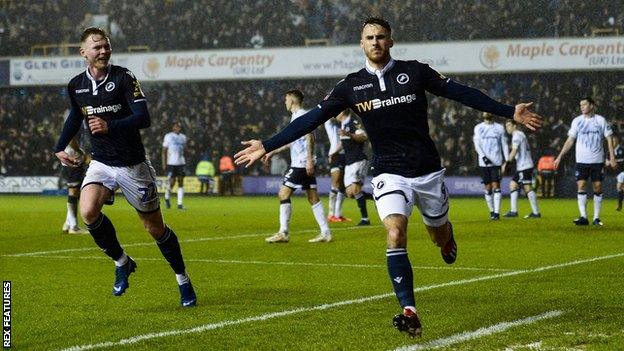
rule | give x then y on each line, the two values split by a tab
94	84
379	73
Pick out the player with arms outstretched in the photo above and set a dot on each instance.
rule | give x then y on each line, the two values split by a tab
389	96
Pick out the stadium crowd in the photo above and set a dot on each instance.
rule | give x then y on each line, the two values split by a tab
209	24
216	116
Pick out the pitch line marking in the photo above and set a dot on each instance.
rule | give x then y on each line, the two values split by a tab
263	317
279	263
184	241
481	332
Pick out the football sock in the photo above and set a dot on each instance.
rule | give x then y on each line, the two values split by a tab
167	190
597	204
581	198
104	235
401	275
319	215
489	201
284	215
368	196
497	200
332	201
72	206
182	278
514	200
339	200
180	195
620	197
170	249
122	260
532	196
361	202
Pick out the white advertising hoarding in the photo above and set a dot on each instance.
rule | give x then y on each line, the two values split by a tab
494	56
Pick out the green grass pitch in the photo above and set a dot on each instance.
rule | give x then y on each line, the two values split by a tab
517	284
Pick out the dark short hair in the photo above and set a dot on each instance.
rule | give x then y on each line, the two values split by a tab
589	99
296	93
91	31
378	21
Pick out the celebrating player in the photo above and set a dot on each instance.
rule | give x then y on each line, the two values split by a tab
110	98
389	96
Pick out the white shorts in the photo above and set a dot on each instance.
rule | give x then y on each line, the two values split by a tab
355	172
138	183
620	177
395	194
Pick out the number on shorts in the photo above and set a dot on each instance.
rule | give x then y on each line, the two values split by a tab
149	193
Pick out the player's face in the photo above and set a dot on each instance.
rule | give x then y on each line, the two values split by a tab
509	127
586	107
376	43
177	128
97	50
288	101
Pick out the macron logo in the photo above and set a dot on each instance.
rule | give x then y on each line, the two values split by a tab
398	280
362	87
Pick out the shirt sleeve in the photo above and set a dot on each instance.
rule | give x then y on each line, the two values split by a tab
166	140
573	132
439	85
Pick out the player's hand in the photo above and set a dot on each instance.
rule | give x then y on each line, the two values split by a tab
310	168
556	163
343	132
67	160
503	168
252	153
98	125
612	163
486	160
529	119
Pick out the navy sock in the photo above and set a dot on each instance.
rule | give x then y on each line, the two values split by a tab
170	249
105	237
620	197
400	272
361	202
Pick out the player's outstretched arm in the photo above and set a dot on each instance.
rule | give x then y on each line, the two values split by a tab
523	115
252	153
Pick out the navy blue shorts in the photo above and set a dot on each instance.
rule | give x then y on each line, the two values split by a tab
175	171
584	171
298	178
490	174
524	176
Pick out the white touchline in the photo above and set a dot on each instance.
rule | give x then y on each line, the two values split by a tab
278	263
263	317
94	248
481	332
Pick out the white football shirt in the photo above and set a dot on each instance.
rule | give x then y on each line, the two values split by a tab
490	141
175	144
299	147
590	133
332	129
523	154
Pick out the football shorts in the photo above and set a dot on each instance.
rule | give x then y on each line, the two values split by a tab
175	171
297	178
74	175
490	174
395	194
593	171
620	177
524	177
138	183
337	163
355	172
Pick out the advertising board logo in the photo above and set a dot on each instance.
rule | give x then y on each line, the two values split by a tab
151	67
490	57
